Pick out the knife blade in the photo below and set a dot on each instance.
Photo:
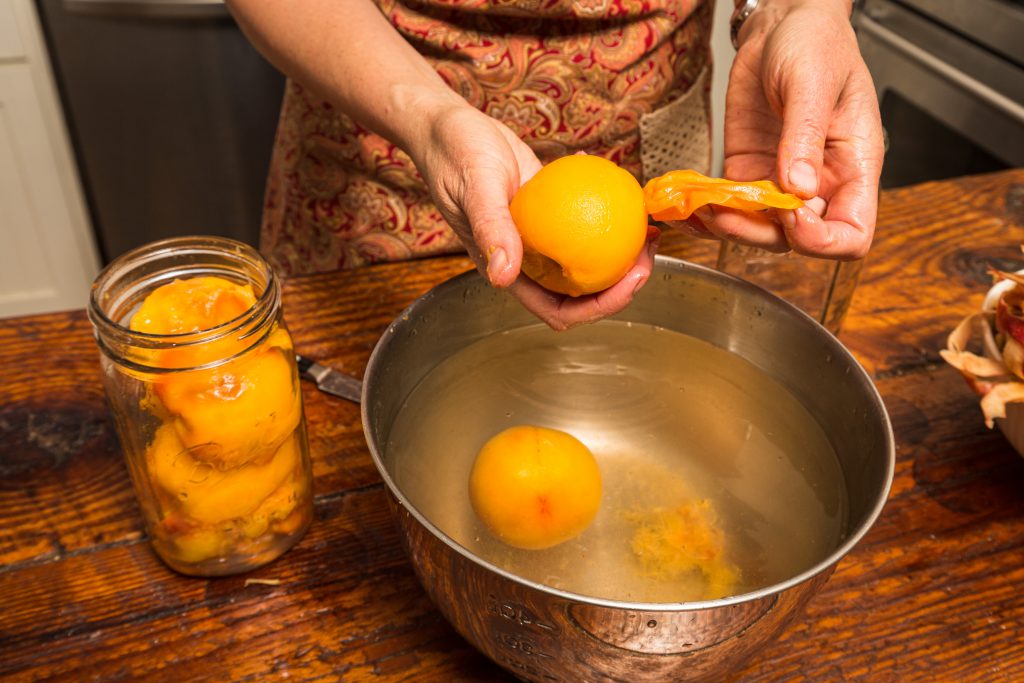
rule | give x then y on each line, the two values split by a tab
329	380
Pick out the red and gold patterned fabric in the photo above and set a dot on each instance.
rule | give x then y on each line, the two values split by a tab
564	75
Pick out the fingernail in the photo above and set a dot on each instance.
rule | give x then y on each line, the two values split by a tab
639	285
803	178
497	263
788	220
705	215
817	205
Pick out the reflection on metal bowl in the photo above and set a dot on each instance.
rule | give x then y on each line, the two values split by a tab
541	633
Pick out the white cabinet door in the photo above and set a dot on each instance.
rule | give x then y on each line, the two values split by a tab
47	254
11	45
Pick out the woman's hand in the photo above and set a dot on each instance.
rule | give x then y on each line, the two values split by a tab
473	166
801	110
471	163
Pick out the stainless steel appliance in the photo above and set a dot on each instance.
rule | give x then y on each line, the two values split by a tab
950	81
172	115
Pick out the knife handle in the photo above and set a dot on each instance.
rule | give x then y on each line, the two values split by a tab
310	369
304	365
330	380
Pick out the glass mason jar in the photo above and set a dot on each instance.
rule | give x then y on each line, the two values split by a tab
210	420
821	288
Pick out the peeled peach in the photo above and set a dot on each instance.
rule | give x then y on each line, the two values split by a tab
237	412
189	306
208	495
192	305
583	223
535	487
198	545
226	458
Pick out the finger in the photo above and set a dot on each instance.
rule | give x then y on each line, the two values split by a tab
494	232
526	159
561	312
751	228
541	302
808	106
846	229
498	236
588	309
817	205
692	226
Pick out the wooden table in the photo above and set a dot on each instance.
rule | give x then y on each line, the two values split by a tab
934	592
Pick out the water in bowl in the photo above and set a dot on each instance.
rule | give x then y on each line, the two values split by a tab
672	421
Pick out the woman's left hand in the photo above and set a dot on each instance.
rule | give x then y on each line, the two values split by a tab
473	166
801	109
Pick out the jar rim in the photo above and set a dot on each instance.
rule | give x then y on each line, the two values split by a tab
120	271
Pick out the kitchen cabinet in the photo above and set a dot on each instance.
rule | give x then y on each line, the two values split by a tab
173	114
48	256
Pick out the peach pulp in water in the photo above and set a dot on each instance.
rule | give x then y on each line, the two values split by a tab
716	479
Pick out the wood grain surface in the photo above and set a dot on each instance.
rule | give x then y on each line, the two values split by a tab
933	593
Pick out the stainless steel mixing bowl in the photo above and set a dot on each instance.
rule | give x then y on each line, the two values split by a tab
543	634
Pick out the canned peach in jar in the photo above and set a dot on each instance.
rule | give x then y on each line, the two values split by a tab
200	374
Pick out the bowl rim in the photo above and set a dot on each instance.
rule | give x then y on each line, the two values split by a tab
661	262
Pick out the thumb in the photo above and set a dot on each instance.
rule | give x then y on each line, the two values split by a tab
496	236
807	106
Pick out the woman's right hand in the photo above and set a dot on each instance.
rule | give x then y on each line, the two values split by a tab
473	166
801	109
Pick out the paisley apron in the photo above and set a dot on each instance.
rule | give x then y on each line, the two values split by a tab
626	79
